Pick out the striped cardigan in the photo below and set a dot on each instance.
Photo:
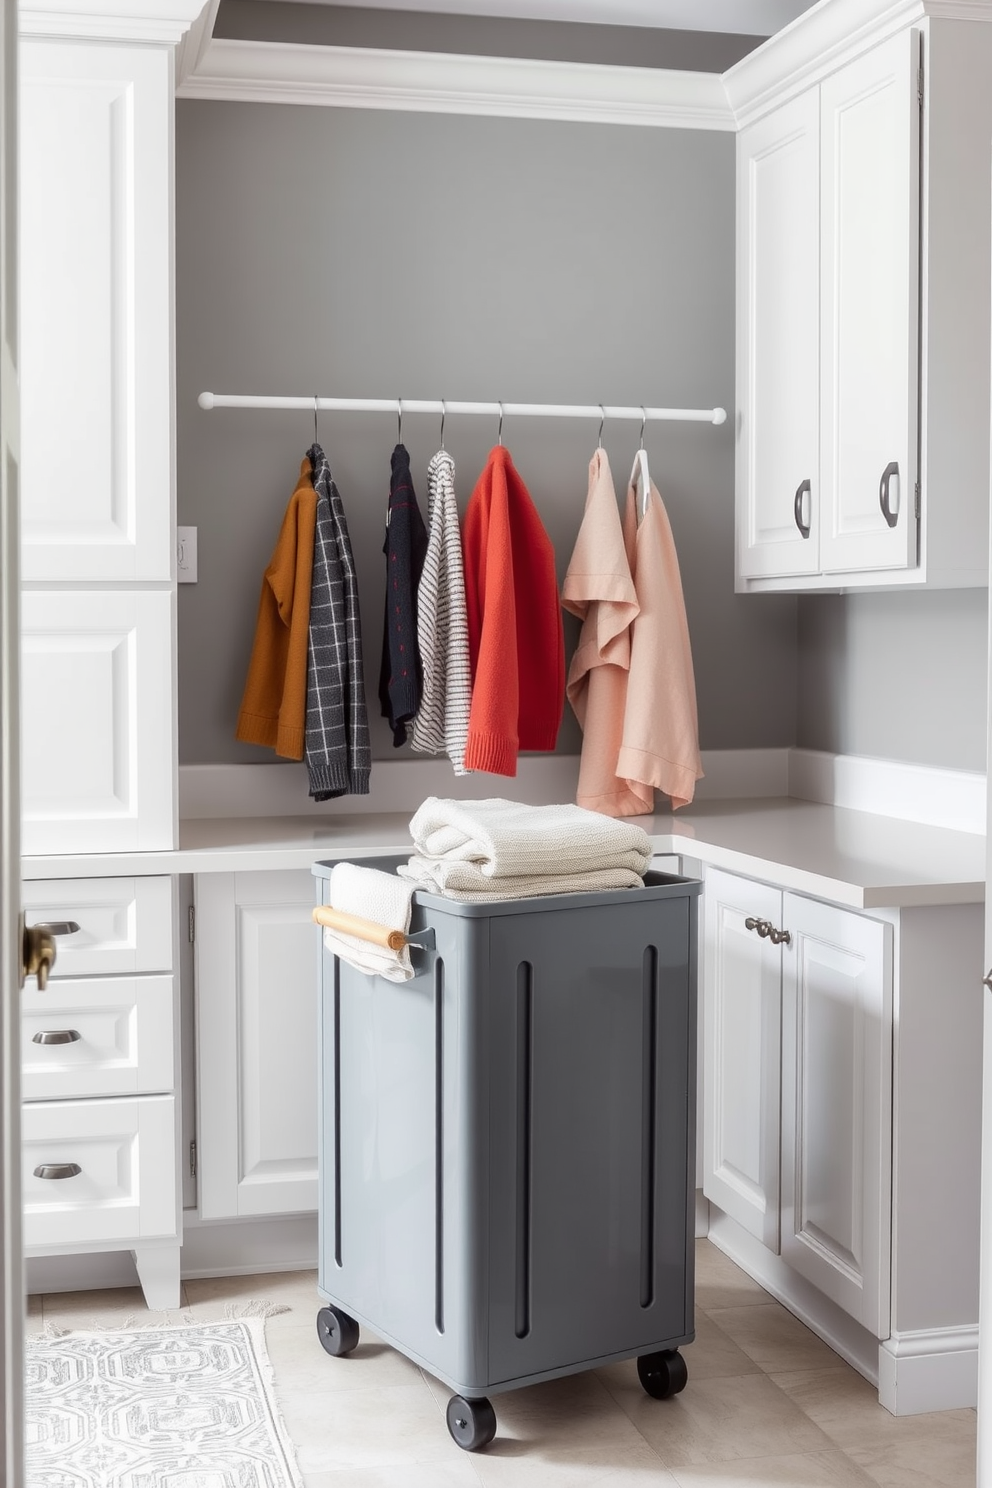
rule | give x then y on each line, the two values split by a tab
441	724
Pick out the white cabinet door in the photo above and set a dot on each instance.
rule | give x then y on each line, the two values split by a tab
97	724
869	213
742	1070
778	268
836	1105
96	365
256	1043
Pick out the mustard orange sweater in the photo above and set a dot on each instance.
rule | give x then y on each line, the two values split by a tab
274	706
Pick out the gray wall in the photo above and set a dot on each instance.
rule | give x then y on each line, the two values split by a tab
366	253
481	36
898	676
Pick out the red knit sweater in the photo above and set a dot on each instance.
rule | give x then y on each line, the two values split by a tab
515	637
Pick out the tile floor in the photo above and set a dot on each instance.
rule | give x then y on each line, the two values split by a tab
766	1403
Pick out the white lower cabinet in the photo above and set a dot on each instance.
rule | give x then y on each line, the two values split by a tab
798	1018
100	1123
256	1044
842	1123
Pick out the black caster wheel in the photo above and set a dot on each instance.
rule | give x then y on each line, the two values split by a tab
664	1374
472	1423
338	1333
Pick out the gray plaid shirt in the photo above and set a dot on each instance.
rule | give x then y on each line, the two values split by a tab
338	752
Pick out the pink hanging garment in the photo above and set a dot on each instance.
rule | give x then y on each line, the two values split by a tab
660	744
599	589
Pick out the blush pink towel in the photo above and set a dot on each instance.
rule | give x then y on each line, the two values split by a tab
599	589
660	745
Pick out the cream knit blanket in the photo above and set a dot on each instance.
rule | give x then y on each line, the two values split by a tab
466	882
504	839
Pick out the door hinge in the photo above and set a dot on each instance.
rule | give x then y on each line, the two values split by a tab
192	923
917	501
192	1159
919	83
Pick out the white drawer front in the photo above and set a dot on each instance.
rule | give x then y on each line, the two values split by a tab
124	1044
125	924
126	1186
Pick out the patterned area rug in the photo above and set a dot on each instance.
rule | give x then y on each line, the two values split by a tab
170	1407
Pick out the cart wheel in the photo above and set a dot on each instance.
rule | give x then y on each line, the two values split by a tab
663	1374
338	1333
472	1423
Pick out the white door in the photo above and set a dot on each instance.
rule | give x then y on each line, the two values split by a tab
742	1062
869	217
836	1105
256	1031
11	1279
778	334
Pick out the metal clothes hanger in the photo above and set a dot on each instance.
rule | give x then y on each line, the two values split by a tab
640	476
442	423
499	435
399	420
315	439
602	423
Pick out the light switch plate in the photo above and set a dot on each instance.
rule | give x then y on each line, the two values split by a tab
186	555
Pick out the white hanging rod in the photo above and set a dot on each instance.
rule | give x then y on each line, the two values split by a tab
493	410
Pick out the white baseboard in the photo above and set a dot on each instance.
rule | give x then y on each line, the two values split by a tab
246	1246
401	784
928	1371
920	793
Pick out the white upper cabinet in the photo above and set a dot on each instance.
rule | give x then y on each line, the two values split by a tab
778	172
863	245
96	367
869	234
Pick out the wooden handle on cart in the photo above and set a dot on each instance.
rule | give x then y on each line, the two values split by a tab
349	924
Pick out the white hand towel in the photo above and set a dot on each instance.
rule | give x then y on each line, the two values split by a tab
372	895
506	839
465	881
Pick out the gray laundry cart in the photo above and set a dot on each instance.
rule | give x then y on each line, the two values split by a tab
507	1163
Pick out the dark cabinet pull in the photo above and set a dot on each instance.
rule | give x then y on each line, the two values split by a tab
57	1036
804	490
57	1170
884	501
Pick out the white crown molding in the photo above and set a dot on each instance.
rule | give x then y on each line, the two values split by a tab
162	22
193	46
366	77
824	39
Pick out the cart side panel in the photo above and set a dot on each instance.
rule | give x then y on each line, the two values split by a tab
590	1018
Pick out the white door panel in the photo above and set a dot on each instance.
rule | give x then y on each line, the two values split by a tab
870	140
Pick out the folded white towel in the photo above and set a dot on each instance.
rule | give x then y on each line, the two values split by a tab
372	895
505	839
466	881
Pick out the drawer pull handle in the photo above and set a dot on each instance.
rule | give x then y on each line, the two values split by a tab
780	937
59	927
763	927
57	1036
57	1170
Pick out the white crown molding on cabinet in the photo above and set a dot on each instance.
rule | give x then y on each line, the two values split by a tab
824	39
161	23
191	50
434	82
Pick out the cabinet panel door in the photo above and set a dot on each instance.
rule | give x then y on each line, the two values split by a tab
836	1105
742	1070
96	402
123	1040
869	210
97	728
256	1053
778	340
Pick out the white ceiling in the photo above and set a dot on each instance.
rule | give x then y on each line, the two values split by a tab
747	17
